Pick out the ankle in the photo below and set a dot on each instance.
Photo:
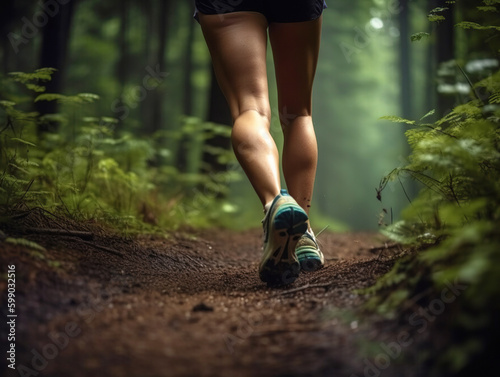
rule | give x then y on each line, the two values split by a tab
267	207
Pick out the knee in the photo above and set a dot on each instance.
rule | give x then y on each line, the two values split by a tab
292	114
258	115
296	123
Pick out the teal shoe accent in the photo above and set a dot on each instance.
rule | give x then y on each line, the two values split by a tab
284	224
308	253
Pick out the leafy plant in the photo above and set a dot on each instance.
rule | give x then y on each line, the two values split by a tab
89	170
452	226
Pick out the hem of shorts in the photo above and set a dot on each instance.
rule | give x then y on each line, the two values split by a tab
297	21
197	12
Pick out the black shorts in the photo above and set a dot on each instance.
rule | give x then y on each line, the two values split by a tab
273	10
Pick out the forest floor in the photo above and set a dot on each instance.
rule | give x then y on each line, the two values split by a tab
191	304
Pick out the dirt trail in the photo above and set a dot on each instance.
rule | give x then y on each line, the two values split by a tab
188	305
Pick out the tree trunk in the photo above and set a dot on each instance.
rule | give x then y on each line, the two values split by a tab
445	51
157	94
55	41
218	112
188	71
122	64
430	79
7	14
152	105
187	101
404	60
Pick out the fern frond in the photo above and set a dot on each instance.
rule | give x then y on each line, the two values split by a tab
439	9
35	87
88	97
44	74
428	181
491	83
7	104
49	97
19	168
79	98
428	114
435	18
487	9
396	119
418	36
23	141
473	25
24	242
408	234
495	98
12	180
470	110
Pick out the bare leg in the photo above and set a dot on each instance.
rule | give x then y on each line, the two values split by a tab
295	50
237	44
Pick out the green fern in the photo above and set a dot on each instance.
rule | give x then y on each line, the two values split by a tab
397	119
472	25
495	98
25	243
454	221
7	104
418	36
91	170
77	99
25	142
487	9
30	80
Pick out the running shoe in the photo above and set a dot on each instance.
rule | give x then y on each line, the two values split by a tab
308	253
284	224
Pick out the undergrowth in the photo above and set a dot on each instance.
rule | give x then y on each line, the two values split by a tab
453	229
89	169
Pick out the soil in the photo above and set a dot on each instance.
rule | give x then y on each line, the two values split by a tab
189	304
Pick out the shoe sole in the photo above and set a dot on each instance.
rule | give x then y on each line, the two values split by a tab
281	266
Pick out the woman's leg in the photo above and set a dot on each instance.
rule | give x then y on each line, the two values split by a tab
295	50
238	44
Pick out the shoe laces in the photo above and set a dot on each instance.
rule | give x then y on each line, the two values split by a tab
322	230
314	237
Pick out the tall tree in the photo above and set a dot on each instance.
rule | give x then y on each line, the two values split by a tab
123	43
54	51
187	100
159	13
444	49
7	11
218	112
405	59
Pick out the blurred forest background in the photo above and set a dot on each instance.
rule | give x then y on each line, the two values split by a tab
109	112
129	122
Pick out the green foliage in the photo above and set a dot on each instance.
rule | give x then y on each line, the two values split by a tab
487	9
476	26
419	36
30	80
89	170
25	243
453	223
434	15
78	99
397	119
455	217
